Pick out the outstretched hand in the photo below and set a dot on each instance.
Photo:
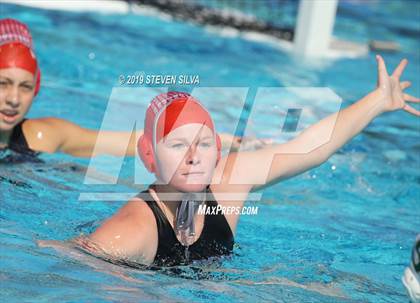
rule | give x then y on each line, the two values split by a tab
392	89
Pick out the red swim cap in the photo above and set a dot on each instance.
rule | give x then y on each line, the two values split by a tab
166	112
16	49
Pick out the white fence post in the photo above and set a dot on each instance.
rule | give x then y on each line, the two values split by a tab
314	27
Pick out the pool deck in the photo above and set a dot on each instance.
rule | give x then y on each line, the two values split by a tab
338	48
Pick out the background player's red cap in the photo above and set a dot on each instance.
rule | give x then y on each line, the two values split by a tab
16	48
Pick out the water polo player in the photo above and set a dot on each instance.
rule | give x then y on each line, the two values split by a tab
20	80
161	226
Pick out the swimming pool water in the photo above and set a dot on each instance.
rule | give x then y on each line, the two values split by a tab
339	233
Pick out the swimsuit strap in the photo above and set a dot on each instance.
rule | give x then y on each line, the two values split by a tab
163	225
17	141
215	239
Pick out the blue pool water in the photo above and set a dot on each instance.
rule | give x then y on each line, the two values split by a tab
339	233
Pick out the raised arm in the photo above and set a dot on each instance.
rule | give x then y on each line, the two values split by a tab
308	150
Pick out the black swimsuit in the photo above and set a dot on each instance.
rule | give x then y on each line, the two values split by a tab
18	141
20	148
216	238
